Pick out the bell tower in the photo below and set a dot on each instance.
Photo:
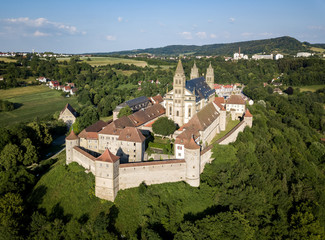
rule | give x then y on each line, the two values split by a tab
194	71
210	77
178	92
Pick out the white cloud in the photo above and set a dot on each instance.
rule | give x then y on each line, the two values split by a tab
232	20
246	34
201	35
110	38
267	34
316	27
120	19
39	27
40	34
186	35
212	35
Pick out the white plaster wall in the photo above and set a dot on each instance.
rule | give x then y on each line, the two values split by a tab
179	153
151	174
206	158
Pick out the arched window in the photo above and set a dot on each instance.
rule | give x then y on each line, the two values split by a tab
189	112
170	110
177	113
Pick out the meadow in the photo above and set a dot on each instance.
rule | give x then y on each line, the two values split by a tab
311	88
33	101
101	61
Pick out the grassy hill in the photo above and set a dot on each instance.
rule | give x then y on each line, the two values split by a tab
71	190
284	44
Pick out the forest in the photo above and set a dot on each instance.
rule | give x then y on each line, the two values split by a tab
269	184
287	45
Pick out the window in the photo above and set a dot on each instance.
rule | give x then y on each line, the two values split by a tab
189	112
179	147
170	110
177	113
133	144
179	154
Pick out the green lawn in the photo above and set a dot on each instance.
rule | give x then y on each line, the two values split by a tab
311	88
230	125
36	101
5	59
106	119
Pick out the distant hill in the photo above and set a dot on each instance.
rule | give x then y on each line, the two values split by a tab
287	45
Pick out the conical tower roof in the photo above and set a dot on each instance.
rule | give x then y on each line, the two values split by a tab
191	144
72	136
248	114
179	68
107	156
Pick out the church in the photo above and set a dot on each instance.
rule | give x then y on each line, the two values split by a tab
189	96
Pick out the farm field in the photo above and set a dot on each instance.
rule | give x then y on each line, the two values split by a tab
311	88
36	101
100	61
5	59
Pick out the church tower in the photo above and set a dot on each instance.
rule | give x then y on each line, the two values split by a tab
178	99
194	71
210	77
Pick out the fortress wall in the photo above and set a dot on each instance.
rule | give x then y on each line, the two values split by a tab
84	159
232	135
155	172
206	157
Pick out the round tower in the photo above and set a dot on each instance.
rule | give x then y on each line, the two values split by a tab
248	118
70	141
193	162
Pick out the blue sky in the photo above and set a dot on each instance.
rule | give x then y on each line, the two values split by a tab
72	26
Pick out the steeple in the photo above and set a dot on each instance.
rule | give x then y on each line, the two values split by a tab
179	68
194	71
210	77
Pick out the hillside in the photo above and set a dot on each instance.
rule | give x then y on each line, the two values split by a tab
287	45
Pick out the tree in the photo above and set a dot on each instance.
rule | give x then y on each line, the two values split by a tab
11	156
30	155
126	111
11	209
164	126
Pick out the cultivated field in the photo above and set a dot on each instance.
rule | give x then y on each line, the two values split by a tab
5	59
35	101
311	88
100	61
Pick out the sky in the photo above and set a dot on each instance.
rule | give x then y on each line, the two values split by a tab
89	26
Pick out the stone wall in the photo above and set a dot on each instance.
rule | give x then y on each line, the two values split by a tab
232	135
153	172
84	159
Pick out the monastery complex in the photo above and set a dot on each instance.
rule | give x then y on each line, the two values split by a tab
115	151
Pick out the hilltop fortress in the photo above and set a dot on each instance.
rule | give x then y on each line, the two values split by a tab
115	152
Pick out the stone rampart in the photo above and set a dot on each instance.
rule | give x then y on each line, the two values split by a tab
152	172
84	159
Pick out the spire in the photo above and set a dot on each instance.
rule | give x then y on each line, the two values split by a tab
72	136
179	68
210	65
107	156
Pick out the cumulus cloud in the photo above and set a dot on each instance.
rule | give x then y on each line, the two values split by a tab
186	35
110	38
38	27
120	19
201	35
40	34
232	20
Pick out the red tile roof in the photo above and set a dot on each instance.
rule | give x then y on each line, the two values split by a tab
236	99
191	144
131	134
91	132
156	99
248	114
107	156
72	136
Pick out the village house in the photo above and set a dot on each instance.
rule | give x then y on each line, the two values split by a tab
236	105
68	115
135	105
